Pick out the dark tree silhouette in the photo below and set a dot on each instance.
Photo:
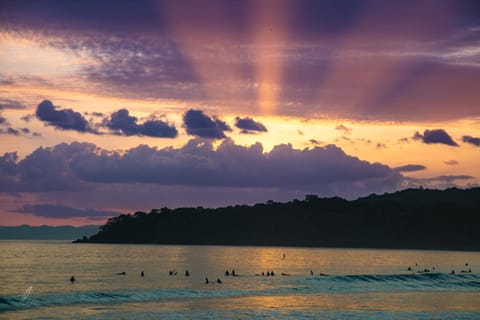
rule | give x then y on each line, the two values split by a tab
412	218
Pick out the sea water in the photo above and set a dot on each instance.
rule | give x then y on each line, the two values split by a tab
346	283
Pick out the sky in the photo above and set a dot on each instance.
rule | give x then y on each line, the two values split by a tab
110	107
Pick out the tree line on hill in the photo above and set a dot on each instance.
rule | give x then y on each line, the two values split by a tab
413	218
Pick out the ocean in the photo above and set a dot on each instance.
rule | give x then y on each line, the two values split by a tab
345	284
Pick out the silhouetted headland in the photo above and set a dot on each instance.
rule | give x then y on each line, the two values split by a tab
410	219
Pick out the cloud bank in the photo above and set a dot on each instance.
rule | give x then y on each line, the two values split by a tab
79	166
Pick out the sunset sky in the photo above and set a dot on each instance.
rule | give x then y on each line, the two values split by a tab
109	107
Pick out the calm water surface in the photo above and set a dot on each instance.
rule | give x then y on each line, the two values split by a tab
361	284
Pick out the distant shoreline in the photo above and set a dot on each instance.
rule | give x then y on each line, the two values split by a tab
26	232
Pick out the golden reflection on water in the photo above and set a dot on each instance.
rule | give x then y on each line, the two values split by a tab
394	301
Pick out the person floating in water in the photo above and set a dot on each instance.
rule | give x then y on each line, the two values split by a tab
172	272
284	256
272	273
311	272
453	272
227	273
187	273
233	273
409	269
122	273
268	273
218	280
142	274
206	281
72	279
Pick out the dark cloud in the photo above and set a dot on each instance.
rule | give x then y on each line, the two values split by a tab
472	140
199	124
315	142
121	122
451	162
60	211
435	136
10	130
248	125
343	128
64	119
28	117
410	168
13	132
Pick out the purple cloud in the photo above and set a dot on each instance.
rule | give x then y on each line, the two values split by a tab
343	128
472	140
121	122
200	125
144	50
435	136
11	131
63	119
451	162
11	104
28	117
248	125
410	168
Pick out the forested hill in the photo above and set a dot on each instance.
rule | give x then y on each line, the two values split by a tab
412	218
